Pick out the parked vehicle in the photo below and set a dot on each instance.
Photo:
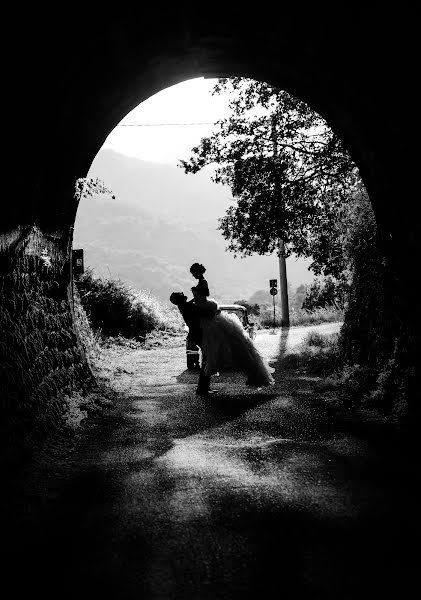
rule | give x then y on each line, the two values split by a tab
242	314
192	355
193	352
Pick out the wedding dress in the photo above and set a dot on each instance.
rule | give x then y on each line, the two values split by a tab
226	346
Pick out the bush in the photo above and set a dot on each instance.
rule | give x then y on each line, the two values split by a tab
324	293
314	338
316	316
368	333
301	317
116	309
161	316
318	354
252	309
88	338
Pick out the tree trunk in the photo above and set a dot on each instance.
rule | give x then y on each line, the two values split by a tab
283	285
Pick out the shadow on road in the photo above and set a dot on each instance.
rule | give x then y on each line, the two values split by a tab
226	408
314	515
197	414
188	376
276	362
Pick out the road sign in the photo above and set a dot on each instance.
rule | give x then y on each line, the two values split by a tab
77	261
273	291
273	283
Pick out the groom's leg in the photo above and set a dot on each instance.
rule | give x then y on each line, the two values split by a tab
204	380
204	383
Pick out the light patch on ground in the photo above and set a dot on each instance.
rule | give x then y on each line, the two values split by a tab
221	469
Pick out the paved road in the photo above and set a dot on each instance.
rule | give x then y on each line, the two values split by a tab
249	494
274	343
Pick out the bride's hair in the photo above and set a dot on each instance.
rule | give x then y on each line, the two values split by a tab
197	268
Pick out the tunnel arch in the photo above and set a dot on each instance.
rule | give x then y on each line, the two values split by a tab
345	68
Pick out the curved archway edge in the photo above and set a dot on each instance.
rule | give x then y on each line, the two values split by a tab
83	82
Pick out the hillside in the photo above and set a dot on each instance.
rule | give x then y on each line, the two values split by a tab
159	223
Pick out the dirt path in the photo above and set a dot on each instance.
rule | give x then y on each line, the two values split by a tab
264	494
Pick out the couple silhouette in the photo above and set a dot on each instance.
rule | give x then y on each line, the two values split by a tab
223	342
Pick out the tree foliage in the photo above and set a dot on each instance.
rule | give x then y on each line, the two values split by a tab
325	293
115	309
365	335
292	180
288	172
90	186
252	308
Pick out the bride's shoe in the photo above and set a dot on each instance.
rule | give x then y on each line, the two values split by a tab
206	392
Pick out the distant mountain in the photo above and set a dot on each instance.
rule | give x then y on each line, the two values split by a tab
161	189
162	221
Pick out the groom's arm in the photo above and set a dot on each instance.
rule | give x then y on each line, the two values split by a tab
205	312
201	312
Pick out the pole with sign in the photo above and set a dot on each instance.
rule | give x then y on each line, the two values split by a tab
273	285
77	262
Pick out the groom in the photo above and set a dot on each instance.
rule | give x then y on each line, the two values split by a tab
191	314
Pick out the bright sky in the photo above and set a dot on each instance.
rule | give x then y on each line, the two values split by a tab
186	102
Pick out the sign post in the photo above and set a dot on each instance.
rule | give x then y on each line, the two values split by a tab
77	262
273	285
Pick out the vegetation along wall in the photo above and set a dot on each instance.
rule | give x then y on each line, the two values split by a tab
41	359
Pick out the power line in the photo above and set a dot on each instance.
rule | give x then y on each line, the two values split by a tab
163	124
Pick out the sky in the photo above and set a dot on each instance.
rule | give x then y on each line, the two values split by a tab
186	102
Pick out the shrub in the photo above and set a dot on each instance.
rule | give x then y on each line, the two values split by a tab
368	333
314	338
316	316
252	309
107	303
317	353
88	338
324	293
158	314
116	309
301	317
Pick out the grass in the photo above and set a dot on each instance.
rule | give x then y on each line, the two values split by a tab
339	383
300	317
166	321
317	354
163	316
82	403
115	309
90	339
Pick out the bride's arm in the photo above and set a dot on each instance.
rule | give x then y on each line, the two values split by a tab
196	296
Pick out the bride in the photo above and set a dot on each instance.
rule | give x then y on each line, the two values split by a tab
225	343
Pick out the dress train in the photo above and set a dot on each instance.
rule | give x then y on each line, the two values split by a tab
226	345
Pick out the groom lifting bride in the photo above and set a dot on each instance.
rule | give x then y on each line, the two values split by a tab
192	315
220	336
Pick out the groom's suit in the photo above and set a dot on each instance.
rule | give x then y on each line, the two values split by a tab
191	314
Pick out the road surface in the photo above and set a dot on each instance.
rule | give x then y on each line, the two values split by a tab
262	494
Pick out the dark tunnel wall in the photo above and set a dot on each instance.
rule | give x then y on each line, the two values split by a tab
70	85
42	361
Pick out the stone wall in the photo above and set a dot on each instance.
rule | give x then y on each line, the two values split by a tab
41	358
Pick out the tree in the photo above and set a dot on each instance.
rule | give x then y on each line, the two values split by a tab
298	296
252	309
90	186
323	293
261	297
288	172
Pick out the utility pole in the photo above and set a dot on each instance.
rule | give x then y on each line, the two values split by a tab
273	285
283	285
